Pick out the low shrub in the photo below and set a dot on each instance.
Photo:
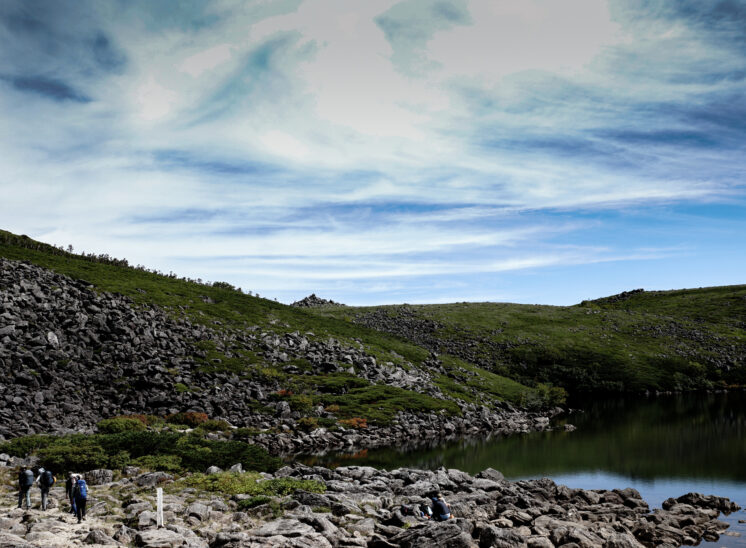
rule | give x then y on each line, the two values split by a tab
213	425
73	454
307	424
189	418
121	424
354	422
253	502
301	402
192	452
26	445
159	463
244	433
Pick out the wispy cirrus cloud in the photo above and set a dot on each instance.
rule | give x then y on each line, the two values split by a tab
382	151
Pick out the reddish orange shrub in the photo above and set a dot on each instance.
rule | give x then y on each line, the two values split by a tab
354	422
142	418
190	418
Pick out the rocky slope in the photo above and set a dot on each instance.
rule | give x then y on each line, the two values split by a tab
71	356
361	506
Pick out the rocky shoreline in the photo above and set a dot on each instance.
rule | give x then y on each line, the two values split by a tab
409	430
361	506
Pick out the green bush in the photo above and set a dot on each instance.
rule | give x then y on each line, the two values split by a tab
161	463
26	445
120	424
190	418
300	402
73	454
252	502
244	433
307	424
213	425
194	453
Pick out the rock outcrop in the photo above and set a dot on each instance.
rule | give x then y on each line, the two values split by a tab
366	507
312	301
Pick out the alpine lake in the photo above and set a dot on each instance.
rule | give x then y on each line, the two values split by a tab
663	446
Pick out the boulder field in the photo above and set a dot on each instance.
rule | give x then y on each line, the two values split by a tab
72	355
362	507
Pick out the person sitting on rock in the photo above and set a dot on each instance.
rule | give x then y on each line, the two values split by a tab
25	481
441	510
45	480
425	511
80	494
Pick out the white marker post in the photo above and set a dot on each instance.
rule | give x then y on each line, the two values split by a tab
159	507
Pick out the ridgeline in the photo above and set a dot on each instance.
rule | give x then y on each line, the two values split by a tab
404	358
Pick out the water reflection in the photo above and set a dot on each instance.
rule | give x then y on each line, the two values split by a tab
662	446
678	436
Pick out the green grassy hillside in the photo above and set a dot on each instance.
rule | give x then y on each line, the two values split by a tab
662	340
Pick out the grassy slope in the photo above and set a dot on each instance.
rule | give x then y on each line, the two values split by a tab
234	309
653	340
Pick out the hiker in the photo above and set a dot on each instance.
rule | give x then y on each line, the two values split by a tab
25	481
80	494
69	484
441	510
46	480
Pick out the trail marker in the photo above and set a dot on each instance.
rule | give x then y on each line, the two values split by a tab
159	507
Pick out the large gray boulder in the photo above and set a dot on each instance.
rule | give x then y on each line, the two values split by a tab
446	535
152	479
159	538
97	536
283	527
99	477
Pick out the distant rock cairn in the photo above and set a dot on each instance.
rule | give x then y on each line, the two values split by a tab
312	301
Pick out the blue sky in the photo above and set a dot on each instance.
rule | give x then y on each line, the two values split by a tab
530	151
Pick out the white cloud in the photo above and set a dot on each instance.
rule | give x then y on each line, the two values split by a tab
206	60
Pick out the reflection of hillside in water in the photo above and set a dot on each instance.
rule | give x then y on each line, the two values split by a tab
679	436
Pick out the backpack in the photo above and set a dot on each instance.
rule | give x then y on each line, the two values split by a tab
47	479
29	478
82	489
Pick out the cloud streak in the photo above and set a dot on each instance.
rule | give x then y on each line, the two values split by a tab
391	150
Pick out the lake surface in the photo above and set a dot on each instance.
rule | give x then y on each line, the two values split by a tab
662	446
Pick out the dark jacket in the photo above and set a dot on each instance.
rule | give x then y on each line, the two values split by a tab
441	510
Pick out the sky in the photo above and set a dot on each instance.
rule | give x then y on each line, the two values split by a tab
533	151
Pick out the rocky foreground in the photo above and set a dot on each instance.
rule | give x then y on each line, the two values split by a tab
361	507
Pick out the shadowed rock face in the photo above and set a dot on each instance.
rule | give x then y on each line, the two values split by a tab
363	507
71	356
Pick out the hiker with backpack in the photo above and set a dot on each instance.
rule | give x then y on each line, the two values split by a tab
69	484
45	480
25	481
80	494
